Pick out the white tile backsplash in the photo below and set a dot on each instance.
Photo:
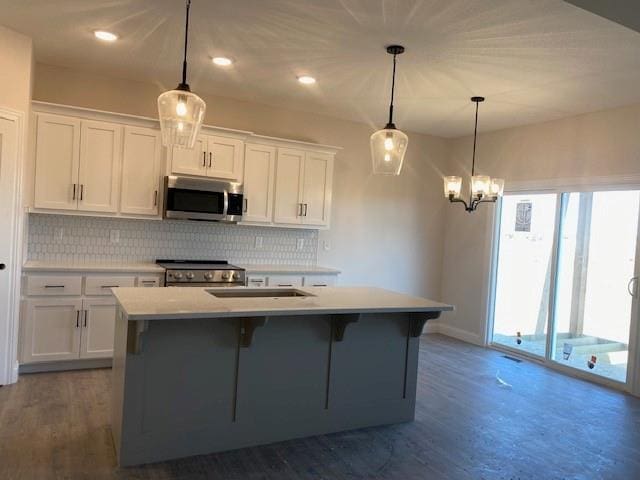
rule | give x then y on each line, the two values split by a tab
92	239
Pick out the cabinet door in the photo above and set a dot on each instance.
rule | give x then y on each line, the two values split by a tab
225	158
259	171
100	159
57	160
190	161
287	205
284	281
316	189
141	167
98	326
52	329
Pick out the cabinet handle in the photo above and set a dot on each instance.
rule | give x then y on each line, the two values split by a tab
210	159
319	285
285	285
85	319
54	286
204	159
246	205
81	190
299	210
2	266
74	192
155	198
109	286
305	209
77	318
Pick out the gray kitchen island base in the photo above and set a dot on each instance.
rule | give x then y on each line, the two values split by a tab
193	386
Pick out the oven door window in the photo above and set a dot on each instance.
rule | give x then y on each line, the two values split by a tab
196	201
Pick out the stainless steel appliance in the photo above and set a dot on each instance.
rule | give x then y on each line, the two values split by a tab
202	199
201	273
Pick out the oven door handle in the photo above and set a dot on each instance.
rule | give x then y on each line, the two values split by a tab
225	207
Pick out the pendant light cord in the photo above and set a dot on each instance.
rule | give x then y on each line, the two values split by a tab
475	137
186	42
393	88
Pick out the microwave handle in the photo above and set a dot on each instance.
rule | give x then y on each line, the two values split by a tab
225	207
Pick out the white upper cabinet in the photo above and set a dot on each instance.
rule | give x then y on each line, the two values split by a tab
77	164
190	161
303	187
141	170
100	160
259	171
316	188
288	199
212	156
57	162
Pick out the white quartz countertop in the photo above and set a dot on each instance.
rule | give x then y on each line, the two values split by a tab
290	269
192	302
60	266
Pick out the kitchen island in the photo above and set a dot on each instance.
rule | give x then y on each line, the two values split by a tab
200	370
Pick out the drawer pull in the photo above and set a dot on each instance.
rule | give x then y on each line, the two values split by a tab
77	318
54	286
109	286
285	285
319	285
149	282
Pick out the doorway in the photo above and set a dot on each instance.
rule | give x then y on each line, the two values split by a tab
565	282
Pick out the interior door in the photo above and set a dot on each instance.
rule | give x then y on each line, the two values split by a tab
100	159
288	198
57	162
190	161
225	159
259	174
98	327
8	207
316	188
52	329
141	165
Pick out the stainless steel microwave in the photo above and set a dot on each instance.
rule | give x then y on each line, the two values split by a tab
202	199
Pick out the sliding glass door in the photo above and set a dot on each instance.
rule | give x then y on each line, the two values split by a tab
566	278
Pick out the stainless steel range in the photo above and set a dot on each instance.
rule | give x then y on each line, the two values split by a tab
201	273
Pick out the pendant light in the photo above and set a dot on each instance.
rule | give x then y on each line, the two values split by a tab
181	112
389	145
483	188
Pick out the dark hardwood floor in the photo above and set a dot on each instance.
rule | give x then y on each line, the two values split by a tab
547	426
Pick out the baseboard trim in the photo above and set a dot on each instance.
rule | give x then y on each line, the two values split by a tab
65	365
449	331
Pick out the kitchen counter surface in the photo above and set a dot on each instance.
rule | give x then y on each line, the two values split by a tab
289	269
193	302
61	266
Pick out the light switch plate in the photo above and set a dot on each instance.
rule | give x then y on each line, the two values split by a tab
300	244
258	242
58	234
114	236
326	245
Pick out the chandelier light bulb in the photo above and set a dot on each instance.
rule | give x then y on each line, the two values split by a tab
388	144
181	108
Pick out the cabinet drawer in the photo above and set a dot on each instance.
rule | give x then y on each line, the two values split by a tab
54	285
148	282
319	280
102	285
284	281
256	281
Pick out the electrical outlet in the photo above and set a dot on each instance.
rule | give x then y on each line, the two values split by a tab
326	245
114	236
258	243
300	244
58	234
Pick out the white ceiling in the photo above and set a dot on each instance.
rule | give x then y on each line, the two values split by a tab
534	60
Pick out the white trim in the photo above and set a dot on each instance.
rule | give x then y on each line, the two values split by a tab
449	331
576	184
11	373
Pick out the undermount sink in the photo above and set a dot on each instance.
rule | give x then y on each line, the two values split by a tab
259	293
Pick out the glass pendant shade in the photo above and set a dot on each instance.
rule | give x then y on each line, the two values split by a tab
388	147
452	186
497	187
480	185
181	114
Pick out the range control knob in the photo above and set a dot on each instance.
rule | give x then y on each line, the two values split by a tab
225	275
177	275
190	276
235	275
208	276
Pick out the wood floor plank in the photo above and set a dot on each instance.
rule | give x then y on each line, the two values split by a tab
546	426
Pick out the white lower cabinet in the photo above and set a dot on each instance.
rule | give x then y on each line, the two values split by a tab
52	329
284	281
98	327
319	280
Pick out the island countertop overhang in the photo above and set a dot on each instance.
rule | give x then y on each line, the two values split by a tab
174	303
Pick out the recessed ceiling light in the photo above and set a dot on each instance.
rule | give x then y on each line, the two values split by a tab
306	79
105	36
222	61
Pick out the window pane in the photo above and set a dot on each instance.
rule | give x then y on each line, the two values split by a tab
524	271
